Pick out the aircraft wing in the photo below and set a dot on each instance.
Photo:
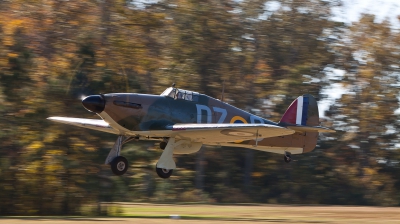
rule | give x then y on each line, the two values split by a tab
94	124
227	132
206	133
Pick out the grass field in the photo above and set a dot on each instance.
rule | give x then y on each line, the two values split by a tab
165	214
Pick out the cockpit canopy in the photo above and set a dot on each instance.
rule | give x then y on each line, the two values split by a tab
182	94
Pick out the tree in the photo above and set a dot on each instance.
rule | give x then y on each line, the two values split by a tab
366	113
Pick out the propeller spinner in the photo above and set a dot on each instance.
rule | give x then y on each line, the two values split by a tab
94	103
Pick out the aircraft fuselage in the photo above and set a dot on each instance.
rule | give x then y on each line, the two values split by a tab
143	112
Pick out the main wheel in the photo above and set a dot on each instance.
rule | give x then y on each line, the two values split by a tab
163	145
287	158
163	173
119	165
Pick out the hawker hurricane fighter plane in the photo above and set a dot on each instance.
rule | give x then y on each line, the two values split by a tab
182	121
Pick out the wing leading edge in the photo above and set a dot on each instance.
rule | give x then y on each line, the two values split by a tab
94	124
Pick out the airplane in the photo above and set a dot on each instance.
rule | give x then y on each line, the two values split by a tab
182	121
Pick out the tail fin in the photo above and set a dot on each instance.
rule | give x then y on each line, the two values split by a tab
303	111
303	117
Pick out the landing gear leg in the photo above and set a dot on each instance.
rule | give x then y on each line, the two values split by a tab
287	157
166	163
119	164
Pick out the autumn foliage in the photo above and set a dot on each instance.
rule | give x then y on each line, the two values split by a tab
52	53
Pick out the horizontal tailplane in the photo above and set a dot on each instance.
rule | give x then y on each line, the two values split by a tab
319	129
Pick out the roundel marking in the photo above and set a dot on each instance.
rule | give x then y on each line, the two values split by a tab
238	119
236	133
241	134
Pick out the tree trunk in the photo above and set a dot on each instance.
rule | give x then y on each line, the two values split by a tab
200	169
248	169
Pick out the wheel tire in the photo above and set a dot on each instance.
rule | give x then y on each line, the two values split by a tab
287	158
163	173
119	165
163	145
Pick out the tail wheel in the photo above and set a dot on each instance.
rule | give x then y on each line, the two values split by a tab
287	157
163	173
119	165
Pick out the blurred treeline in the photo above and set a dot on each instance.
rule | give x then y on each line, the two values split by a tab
54	52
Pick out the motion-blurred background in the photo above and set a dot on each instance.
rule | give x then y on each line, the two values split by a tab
53	53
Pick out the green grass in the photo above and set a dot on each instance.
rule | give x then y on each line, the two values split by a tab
161	213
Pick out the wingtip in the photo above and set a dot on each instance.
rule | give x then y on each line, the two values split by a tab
52	118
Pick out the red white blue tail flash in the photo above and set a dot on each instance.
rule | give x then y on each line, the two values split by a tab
297	113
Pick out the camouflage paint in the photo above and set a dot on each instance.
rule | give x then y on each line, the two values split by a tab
144	112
